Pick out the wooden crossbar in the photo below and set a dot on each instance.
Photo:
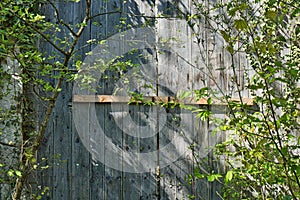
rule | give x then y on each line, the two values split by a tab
157	99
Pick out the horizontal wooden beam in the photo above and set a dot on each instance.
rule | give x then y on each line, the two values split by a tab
156	99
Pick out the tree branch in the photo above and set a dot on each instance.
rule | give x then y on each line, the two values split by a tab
26	167
8	145
39	32
59	19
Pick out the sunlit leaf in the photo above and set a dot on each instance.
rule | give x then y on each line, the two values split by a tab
228	176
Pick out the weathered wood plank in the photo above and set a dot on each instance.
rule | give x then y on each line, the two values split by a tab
131	185
97	169
113	179
45	155
62	129
62	152
80	156
91	179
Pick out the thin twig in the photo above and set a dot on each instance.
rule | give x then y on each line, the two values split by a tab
39	32
26	167
8	145
59	19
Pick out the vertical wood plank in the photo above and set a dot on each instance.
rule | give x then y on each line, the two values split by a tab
98	31
80	156
46	151
112	178
62	135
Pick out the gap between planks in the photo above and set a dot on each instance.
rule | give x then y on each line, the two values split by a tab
157	99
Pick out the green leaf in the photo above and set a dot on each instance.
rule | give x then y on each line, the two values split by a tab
229	48
225	36
271	14
18	173
203	92
185	94
204	115
213	177
10	173
197	173
240	24
244	6
209	101
228	176
78	64
287	197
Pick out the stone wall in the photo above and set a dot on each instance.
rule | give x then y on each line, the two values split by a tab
10	123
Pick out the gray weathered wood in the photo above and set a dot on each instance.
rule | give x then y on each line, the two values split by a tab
77	174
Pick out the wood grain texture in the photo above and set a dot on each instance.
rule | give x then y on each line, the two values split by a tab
77	174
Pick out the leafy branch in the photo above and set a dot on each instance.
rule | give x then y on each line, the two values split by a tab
26	167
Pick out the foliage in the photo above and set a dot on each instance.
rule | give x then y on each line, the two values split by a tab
22	28
262	145
24	33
